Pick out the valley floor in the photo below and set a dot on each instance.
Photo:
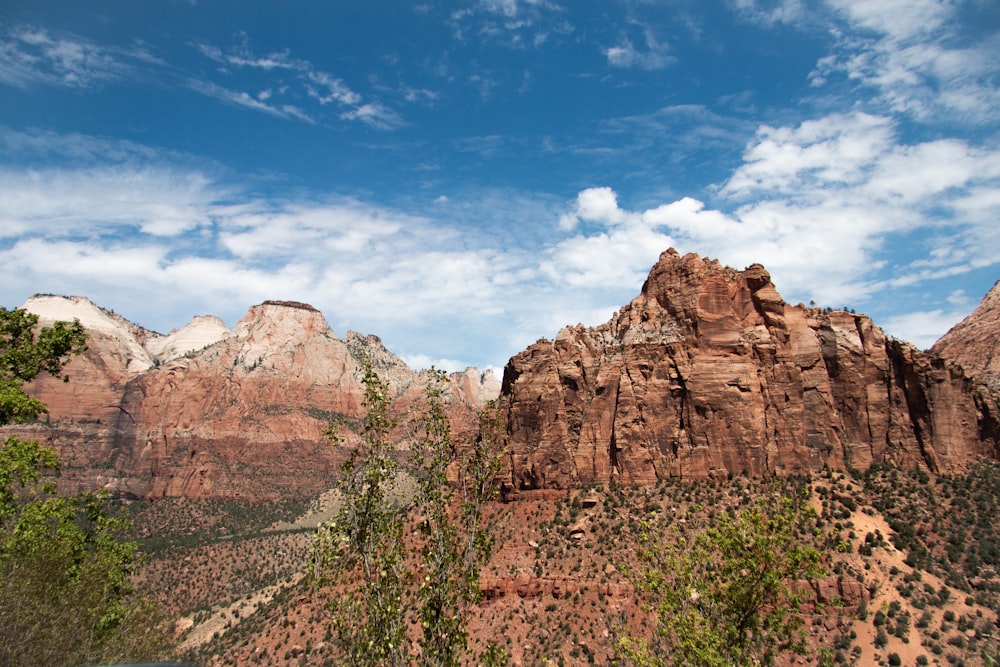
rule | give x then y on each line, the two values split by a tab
911	564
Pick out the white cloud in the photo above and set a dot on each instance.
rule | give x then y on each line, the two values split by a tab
654	56
375	115
506	7
924	327
819	203
959	298
77	148
599	204
618	255
331	89
486	146
617	258
857	158
908	52
769	12
241	56
161	238
244	99
515	24
833	150
57	202
900	19
295	79
31	55
424	95
291	230
423	361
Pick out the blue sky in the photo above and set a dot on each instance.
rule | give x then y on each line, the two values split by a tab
463	178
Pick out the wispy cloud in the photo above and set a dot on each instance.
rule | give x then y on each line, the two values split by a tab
241	56
154	226
375	115
907	52
513	23
31	55
655	55
486	146
770	12
295	79
244	99
924	327
325	89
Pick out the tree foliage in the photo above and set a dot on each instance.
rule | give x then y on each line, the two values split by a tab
24	354
725	596
362	547
455	549
64	572
381	588
65	590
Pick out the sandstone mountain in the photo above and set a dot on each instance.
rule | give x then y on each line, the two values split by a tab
708	372
975	342
207	412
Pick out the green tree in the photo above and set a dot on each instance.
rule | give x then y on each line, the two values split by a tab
455	549
65	591
361	549
380	587
724	597
24	354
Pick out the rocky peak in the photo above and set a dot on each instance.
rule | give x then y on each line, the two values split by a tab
126	337
275	335
475	387
140	349
389	367
708	372
199	333
281	317
205	411
975	341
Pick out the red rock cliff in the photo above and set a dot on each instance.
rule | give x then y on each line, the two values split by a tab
709	372
975	341
208	412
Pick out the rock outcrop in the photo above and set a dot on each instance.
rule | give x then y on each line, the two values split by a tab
708	372
209	412
975	341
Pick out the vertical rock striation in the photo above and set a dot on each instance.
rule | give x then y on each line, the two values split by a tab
209	412
975	341
708	372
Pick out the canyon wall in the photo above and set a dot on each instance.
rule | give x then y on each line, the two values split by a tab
708	372
208	412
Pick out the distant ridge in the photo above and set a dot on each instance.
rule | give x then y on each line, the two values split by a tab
206	411
290	304
975	341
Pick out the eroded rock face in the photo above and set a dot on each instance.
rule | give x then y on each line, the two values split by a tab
975	341
209	412
708	372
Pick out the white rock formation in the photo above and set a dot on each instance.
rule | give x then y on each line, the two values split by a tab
141	347
51	308
199	333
